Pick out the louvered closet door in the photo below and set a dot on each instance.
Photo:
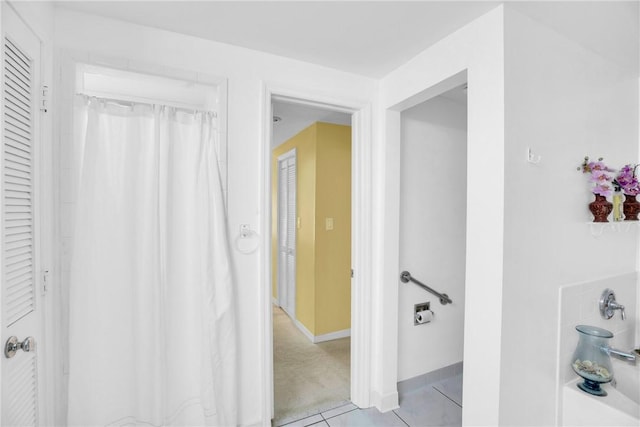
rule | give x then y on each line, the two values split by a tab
20	306
287	232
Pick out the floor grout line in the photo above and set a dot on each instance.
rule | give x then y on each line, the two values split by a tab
337	415
447	396
298	420
401	419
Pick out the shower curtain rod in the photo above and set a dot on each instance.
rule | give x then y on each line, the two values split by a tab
146	101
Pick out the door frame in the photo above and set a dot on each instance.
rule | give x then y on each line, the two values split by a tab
361	239
291	311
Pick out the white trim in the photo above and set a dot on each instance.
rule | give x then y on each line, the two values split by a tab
362	318
386	402
266	286
287	155
307	333
134	86
332	336
315	339
361	322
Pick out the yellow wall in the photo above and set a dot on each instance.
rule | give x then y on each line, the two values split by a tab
323	258
333	248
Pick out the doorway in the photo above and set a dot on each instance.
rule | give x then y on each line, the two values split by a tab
311	251
433	196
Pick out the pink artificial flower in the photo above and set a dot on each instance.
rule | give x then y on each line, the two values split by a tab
600	176
627	170
632	191
624	180
627	180
602	190
596	166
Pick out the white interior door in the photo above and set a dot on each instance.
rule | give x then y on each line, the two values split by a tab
287	232
21	308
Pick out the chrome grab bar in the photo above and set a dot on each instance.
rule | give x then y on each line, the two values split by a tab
405	277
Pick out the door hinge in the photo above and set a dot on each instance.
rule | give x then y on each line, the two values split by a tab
45	281
352	273
44	98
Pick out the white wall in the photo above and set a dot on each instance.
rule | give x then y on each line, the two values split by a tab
473	53
607	28
564	101
247	72
433	200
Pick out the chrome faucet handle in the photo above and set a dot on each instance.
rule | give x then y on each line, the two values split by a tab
608	305
615	306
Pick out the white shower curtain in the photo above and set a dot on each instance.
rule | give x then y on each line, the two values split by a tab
151	319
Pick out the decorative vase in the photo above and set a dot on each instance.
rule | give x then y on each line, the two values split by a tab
591	359
631	208
601	208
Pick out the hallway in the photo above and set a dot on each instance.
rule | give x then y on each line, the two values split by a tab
308	378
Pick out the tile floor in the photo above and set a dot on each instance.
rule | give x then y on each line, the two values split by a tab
436	404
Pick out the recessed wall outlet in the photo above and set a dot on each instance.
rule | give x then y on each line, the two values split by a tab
418	308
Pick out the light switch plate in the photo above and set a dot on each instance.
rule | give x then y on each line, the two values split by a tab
328	222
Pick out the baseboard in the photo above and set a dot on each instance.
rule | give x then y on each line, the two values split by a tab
303	329
385	403
414	383
332	336
321	338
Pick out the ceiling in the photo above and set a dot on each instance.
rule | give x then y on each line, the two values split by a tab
295	117
369	38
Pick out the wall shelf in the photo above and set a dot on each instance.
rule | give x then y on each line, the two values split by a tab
597	228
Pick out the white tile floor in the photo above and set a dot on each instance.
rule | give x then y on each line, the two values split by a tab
437	404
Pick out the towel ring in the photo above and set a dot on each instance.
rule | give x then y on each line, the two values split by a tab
247	234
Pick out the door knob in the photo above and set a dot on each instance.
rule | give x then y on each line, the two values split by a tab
13	345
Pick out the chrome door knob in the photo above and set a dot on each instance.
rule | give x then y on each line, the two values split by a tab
13	345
